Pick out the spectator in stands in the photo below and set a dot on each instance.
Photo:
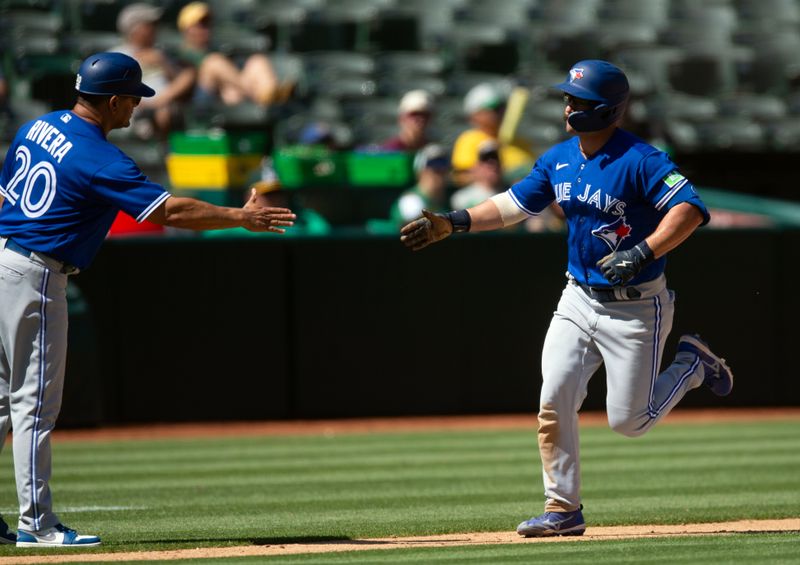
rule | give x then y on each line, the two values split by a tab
485	106
220	78
432	166
413	117
487	178
172	81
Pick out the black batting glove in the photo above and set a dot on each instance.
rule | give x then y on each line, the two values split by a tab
621	266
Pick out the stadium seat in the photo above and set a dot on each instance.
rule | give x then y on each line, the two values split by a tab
682	136
339	74
237	42
635	13
94	15
483	47
785	12
783	134
435	19
682	107
509	15
653	63
739	134
410	63
378	110
567	17
398	85
761	107
460	82
25	21
87	42
773	67
703	74
617	35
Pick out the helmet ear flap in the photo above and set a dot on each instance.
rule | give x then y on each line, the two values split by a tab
600	117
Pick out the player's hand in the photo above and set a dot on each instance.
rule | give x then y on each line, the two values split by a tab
261	218
430	228
621	266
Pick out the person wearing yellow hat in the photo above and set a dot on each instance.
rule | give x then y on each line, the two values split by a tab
218	76
484	106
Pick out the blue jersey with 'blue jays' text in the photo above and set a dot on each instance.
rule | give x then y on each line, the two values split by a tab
612	200
64	183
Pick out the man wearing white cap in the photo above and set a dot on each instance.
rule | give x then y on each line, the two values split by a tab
485	104
413	117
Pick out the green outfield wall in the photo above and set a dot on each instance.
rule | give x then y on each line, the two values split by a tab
186	329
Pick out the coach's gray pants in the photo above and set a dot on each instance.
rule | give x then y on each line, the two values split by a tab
33	343
628	336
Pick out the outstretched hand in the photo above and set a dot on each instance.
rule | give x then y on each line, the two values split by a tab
430	228
261	218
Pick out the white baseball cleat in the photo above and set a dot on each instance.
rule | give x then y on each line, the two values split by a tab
57	536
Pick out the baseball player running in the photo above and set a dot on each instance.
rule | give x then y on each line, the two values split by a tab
62	184
627	206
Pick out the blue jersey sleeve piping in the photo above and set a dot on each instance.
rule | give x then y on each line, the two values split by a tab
668	196
519	204
150	209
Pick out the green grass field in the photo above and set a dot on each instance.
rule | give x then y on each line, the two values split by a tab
172	494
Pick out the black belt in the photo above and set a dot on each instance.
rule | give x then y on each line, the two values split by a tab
611	294
12	245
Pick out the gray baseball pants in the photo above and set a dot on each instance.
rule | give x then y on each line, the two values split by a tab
628	336
33	348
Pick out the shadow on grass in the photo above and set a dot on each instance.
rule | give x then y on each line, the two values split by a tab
287	540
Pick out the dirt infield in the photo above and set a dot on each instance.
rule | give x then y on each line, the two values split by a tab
448	540
402	424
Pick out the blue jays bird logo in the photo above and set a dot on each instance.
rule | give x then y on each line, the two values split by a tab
575	74
613	233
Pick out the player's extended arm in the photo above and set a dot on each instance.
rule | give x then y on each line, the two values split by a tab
433	227
198	215
679	223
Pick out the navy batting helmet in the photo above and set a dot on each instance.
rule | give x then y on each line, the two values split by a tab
111	73
597	81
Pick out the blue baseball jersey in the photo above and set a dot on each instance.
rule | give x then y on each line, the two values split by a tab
64	184
612	200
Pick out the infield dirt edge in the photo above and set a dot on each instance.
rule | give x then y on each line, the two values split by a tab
444	540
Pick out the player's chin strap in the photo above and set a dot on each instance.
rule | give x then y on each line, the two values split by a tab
600	117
